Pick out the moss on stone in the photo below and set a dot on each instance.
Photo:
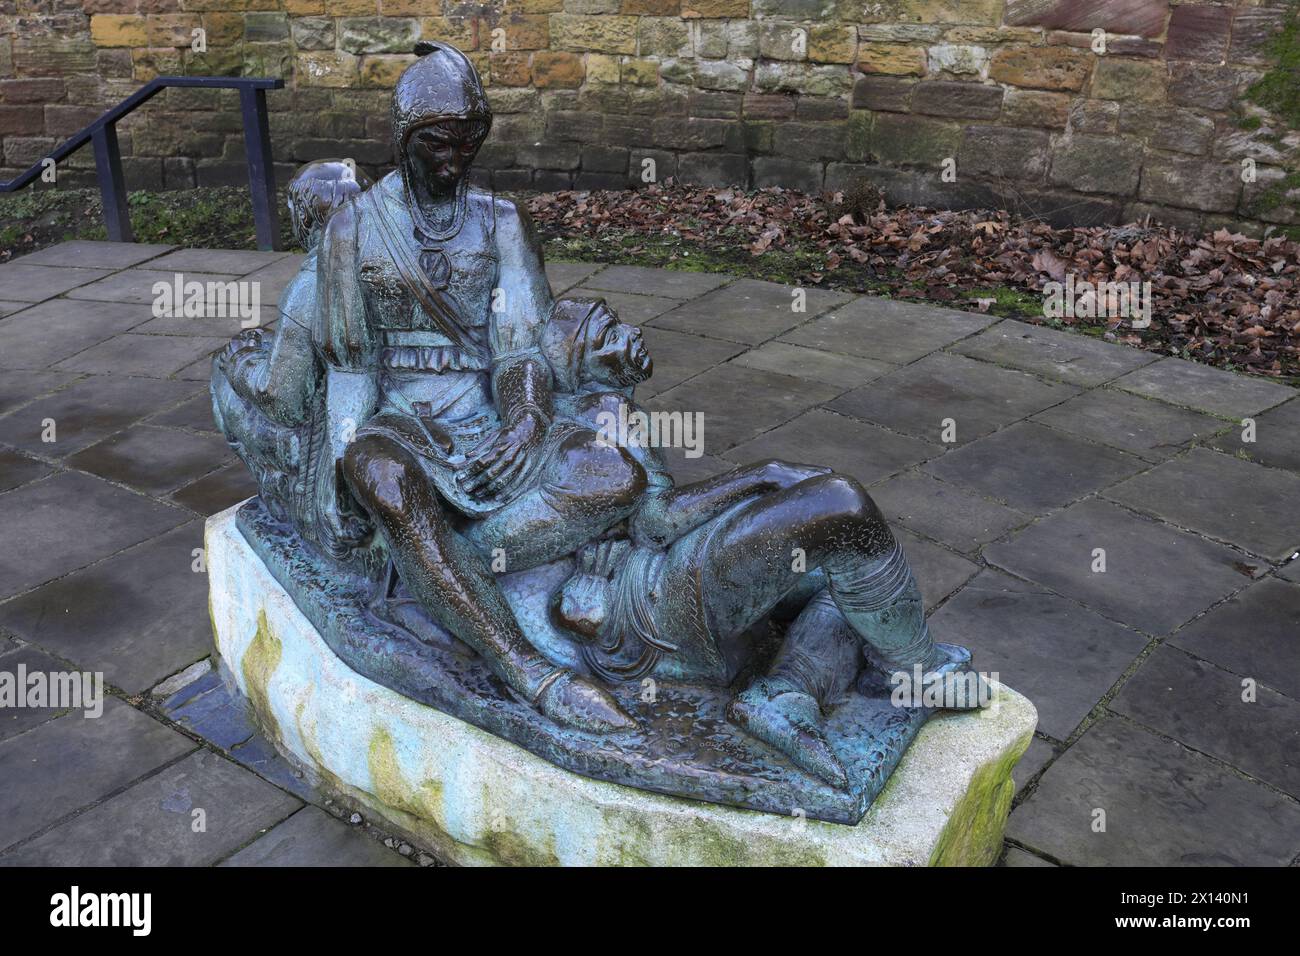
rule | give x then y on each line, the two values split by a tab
258	667
1278	90
973	834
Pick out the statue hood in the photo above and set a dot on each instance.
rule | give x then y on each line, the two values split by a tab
441	84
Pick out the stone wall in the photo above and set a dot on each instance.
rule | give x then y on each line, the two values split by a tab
943	102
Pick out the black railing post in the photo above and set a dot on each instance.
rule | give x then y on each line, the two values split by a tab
261	172
112	187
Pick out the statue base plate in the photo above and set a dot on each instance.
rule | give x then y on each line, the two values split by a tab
472	796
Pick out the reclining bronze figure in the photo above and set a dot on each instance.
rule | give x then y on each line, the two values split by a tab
441	495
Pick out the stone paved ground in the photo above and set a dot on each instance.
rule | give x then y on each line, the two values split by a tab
1062	447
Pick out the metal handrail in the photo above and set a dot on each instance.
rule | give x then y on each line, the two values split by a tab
102	134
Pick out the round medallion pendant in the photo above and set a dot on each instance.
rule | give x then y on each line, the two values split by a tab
436	266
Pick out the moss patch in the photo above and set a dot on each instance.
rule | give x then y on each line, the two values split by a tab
973	834
1278	90
258	667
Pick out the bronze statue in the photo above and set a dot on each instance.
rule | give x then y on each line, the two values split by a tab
428	431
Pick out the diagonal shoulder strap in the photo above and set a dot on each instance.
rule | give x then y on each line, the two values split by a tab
430	299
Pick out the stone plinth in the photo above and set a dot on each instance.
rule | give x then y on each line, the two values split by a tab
473	798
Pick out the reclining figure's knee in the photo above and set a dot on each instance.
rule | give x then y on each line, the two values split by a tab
380	472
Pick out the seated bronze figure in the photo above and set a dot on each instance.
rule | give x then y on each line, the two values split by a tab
441	495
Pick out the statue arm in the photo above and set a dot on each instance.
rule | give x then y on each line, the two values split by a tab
342	333
666	514
282	379
521	376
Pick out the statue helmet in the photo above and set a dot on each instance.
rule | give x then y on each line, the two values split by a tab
441	85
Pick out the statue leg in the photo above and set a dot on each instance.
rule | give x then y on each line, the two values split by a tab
453	583
586	488
766	549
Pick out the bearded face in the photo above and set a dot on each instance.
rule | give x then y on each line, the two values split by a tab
440	153
615	353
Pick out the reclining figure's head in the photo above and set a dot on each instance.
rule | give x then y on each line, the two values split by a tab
316	190
440	118
589	347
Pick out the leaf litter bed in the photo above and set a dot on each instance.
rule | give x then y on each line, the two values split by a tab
1224	299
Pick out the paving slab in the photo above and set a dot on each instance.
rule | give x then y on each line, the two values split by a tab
20	387
1256	730
232	261
1164	806
67	521
194	414
739	403
948	513
260	756
1277	438
641	280
311	837
818	437
215	712
154	356
1018	857
60	328
9	308
565	275
152	459
937	570
96	254
1205	388
155	822
630	308
978	397
1038	756
23	663
843	371
678	357
887	330
1064	468
72	761
1140	426
1255	633
217	491
1067	356
211	327
158	622
749	311
1224	497
136	285
687	470
17	469
1156	576
87	411
20	282
1065	656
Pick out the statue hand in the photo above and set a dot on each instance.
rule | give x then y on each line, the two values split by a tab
248	339
494	466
